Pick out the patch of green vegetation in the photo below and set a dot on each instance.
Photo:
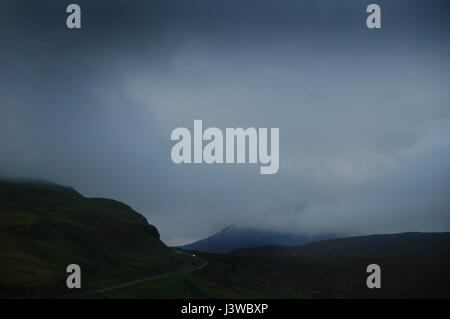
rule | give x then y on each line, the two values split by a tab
282	272
219	279
45	227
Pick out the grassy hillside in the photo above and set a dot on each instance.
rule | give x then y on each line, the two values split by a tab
45	226
222	278
372	246
413	265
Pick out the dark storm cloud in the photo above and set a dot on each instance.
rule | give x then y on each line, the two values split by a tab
363	114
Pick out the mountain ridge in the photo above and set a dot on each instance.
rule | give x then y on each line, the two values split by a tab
45	226
365	246
234	237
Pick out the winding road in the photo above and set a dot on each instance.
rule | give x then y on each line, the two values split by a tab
127	284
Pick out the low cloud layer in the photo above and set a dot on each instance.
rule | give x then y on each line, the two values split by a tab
364	115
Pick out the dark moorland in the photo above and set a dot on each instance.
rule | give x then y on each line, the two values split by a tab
45	226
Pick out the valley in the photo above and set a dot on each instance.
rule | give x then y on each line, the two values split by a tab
46	226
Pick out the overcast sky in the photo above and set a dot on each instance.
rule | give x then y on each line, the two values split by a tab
364	115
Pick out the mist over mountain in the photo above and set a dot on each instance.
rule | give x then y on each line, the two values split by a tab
235	237
363	114
45	226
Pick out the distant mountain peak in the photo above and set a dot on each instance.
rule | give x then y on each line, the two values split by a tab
235	237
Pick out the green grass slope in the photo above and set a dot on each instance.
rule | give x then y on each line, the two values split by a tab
224	277
413	265
45	226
